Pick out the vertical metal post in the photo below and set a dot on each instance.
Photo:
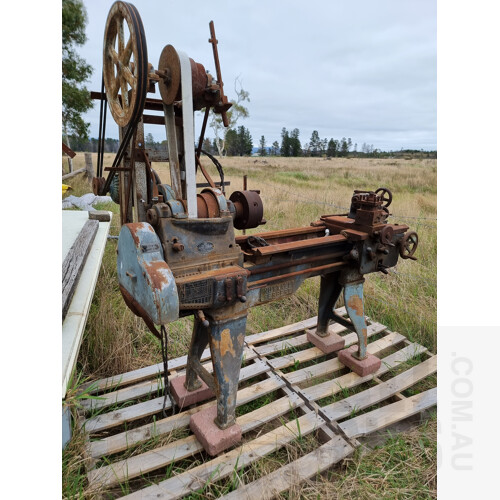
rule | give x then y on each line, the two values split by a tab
244	189
140	177
125	177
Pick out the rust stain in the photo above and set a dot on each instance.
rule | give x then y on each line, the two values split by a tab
134	228
364	331
356	303
156	273
225	344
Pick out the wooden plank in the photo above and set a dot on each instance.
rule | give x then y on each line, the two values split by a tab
351	379
149	387
331	365
151	371
382	417
314	352
270	485
300	326
124	440
72	174
74	324
268	335
384	390
117	472
75	259
283	345
224	465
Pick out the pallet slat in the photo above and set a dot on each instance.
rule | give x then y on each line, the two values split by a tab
222	466
294	473
390	414
124	440
374	395
160	457
351	379
266	353
331	365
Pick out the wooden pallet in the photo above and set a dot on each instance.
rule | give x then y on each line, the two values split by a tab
291	396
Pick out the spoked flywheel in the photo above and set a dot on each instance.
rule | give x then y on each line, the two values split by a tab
125	63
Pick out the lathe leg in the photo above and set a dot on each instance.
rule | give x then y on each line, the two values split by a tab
189	389
216	427
226	345
356	357
329	293
199	342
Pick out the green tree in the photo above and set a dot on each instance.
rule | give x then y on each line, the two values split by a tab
238	142
286	149
75	71
315	144
332	147
344	147
275	149
237	111
295	146
262	146
150	141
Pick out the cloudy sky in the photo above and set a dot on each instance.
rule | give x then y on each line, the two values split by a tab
359	69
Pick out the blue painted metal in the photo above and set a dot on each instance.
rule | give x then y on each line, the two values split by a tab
167	192
144	274
353	299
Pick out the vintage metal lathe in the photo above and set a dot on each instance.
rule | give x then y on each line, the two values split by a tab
178	253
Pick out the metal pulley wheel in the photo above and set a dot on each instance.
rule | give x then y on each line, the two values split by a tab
408	245
169	68
386	196
386	236
125	63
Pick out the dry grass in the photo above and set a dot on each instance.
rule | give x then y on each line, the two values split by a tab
295	192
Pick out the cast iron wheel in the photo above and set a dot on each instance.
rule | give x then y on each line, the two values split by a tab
408	245
385	194
125	63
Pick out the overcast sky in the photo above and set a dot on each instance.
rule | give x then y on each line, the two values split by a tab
360	69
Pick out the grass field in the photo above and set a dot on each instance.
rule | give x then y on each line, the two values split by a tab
295	192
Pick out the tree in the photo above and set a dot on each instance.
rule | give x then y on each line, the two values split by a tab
149	141
344	148
75	71
238	142
285	143
207	146
295	147
315	143
236	112
332	147
275	149
262	146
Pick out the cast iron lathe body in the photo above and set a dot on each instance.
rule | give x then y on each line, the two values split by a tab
178	253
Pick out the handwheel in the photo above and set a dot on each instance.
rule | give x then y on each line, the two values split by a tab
408	245
385	194
125	63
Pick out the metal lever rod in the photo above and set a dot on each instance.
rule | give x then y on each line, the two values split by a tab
223	98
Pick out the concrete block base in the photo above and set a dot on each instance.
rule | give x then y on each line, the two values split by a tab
183	397
213	439
331	343
362	367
